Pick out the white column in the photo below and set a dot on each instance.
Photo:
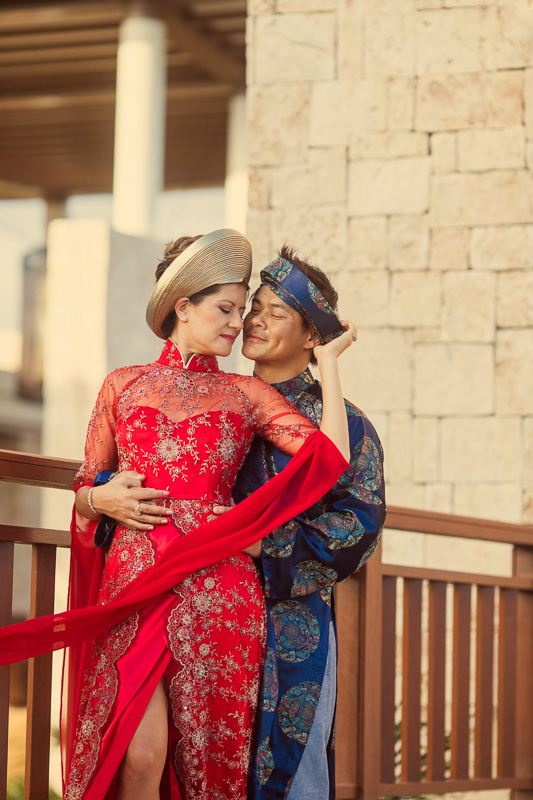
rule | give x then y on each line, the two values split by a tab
139	124
236	185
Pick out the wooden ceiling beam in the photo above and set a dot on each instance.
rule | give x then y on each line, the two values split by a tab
73	100
62	15
213	59
57	38
40	55
215	8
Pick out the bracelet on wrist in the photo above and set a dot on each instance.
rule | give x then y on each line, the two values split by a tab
90	500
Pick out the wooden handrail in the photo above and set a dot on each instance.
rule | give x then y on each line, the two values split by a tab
368	605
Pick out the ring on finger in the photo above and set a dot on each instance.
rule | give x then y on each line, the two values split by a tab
137	510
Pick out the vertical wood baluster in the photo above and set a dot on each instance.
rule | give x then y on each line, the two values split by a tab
436	681
411	679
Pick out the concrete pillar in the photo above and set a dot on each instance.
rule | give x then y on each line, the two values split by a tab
139	123
236	185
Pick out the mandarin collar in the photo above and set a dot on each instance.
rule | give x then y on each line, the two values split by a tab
171	356
293	388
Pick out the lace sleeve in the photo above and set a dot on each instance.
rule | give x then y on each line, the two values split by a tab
100	445
276	418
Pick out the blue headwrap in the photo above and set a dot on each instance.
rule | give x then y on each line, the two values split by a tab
300	293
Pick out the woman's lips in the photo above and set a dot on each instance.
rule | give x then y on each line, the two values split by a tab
228	338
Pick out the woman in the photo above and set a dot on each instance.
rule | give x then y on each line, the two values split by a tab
181	672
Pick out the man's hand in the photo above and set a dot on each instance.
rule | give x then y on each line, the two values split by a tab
255	549
123	497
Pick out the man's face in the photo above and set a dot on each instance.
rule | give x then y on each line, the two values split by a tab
273	331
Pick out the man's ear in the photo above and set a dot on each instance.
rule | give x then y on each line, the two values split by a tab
312	341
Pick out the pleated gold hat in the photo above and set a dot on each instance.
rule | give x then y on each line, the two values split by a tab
223	256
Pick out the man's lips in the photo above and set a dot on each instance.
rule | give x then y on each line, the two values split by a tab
254	337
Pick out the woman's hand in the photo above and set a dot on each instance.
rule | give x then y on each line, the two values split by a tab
123	497
337	346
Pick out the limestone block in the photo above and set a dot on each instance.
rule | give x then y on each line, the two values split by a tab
469	307
528	102
514	372
305	6
322	179
507	35
378	374
502	247
502	148
255	8
250	50
465	3
527	516
452	380
389	43
426	449
365	296
398	186
443	147
481	450
529	155
438	497
403	547
483	500
350	18
367	238
426	4
469	555
473	100
401	103
294	47
317	232
427	334
408	243
515	299
400	446
278	117
257	231
380	421
449	248
258	187
415	299
388	144
340	107
486	198
528	451
449	41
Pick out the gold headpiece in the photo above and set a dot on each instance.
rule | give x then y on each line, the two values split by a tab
223	256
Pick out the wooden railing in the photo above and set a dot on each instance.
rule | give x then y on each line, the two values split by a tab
392	737
405	669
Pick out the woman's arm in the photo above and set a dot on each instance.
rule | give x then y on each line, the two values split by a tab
122	498
334	421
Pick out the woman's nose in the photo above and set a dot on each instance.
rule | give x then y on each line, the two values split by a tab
236	321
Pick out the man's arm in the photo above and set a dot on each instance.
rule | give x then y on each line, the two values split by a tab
314	551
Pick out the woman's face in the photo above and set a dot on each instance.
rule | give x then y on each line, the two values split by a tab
213	325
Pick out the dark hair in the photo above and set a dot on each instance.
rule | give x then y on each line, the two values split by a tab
172	251
317	276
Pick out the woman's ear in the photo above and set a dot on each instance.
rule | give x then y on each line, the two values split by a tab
181	307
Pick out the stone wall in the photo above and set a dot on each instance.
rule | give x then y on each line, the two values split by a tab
392	142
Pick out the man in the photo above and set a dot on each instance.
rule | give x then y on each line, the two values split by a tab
293	312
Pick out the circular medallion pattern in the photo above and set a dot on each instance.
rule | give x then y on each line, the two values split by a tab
280	542
269	683
297	631
311	576
264	763
296	710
